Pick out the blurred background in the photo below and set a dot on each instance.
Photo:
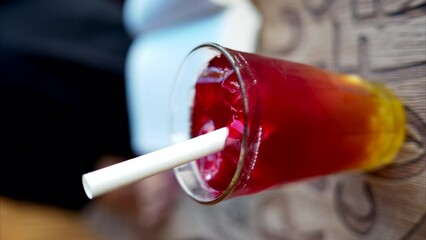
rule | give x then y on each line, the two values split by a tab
86	83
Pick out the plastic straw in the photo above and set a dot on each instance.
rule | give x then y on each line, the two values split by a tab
115	176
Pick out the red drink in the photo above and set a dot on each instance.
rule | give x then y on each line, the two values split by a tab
288	122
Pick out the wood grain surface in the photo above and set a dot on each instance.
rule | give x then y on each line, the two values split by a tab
382	41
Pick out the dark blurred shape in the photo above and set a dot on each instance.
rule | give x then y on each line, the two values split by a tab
62	96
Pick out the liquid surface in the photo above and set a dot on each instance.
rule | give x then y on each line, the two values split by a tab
217	104
312	123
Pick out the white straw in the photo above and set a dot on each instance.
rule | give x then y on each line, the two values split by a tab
112	177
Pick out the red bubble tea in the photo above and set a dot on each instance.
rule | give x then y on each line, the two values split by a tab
288	122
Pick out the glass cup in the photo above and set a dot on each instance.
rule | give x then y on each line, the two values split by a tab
287	122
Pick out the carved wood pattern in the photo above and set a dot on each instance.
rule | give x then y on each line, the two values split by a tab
382	41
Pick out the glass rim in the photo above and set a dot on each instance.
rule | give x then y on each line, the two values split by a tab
238	171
